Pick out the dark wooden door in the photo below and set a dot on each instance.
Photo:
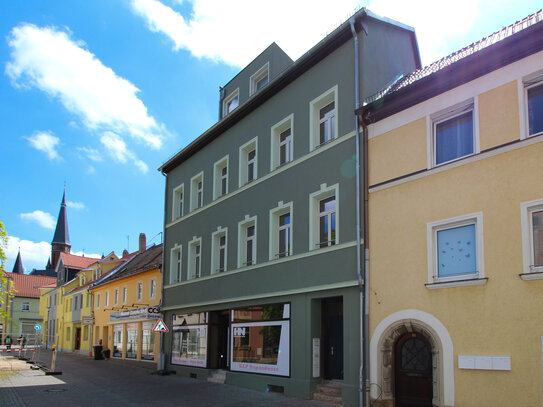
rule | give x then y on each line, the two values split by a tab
413	371
333	338
77	338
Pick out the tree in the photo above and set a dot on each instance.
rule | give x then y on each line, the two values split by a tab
6	288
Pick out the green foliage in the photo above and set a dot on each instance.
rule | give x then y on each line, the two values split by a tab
6	287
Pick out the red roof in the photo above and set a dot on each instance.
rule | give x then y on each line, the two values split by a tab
80	262
28	286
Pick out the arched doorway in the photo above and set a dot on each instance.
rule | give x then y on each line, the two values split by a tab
413	371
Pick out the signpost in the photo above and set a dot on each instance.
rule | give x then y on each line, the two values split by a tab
37	327
160	326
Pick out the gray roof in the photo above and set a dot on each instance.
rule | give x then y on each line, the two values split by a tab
445	62
61	232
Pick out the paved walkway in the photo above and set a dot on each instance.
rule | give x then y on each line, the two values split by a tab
87	382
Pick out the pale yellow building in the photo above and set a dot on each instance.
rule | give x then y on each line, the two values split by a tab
456	228
126	306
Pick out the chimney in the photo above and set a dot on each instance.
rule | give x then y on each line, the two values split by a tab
142	242
125	253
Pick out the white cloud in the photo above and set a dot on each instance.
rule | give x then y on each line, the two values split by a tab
48	59
218	29
34	255
435	22
91	153
46	142
75	205
116	147
91	255
44	219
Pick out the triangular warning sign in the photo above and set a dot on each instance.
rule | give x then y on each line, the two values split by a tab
160	326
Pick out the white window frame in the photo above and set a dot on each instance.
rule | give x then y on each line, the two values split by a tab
178	201
444	115
227	100
244	161
275	214
532	81
139	291
106	299
116	297
315	198
152	288
176	264
529	271
98	300
27	308
276	131
242	241
262	73
196	194
331	95
431	231
215	250
192	272
218	176
125	294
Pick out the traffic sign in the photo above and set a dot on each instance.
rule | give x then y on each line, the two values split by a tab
37	327
160	326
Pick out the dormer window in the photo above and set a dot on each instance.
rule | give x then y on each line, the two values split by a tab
260	79
231	102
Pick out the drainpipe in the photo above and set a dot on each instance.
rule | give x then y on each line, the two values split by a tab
161	356
362	397
366	323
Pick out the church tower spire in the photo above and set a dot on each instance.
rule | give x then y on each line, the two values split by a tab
18	267
61	239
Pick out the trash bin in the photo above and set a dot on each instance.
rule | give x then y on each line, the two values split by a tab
106	353
98	352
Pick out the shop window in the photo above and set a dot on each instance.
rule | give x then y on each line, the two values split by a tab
261	340
131	341
147	341
117	340
189	339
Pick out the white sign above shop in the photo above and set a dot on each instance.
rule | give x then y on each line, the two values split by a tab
147	312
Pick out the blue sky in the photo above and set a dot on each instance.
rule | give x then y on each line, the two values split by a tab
98	94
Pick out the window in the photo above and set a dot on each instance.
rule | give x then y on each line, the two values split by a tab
195	258
178	196
175	264
152	288
534	94
218	256
247	242
455	249
25	306
281	142
125	294
197	191
259	79
281	231
532	238
323	118
220	182
106	299
324	217
248	162
231	102
97	300
75	302
453	133
116	297
139	291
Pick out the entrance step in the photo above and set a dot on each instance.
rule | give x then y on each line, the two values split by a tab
217	376
329	392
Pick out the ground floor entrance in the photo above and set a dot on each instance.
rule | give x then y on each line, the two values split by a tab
77	344
332	335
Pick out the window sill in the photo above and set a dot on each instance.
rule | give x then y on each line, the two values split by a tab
535	275
456	283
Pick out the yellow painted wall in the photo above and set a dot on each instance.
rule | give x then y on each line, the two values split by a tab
502	317
102	315
397	152
499	116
